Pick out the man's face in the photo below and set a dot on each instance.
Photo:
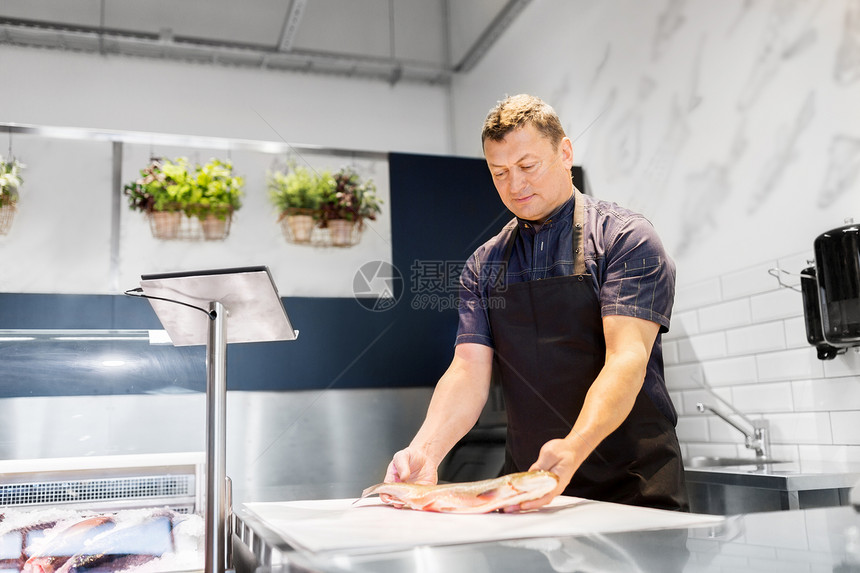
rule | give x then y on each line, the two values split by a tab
532	177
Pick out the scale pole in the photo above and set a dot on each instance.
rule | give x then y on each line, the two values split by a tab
216	440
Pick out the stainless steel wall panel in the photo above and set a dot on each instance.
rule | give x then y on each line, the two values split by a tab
280	445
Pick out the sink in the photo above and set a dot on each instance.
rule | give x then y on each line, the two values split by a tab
731	485
716	462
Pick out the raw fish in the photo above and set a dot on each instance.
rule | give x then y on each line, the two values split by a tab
469	497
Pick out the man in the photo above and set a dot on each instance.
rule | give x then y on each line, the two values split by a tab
571	325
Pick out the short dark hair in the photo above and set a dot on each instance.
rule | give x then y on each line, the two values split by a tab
517	111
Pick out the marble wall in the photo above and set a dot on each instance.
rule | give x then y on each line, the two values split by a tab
732	125
735	127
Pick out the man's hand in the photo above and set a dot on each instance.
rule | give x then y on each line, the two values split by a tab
559	457
411	465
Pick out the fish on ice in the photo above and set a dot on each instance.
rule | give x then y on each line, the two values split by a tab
470	497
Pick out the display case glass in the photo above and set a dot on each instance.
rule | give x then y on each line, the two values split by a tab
97	362
101	460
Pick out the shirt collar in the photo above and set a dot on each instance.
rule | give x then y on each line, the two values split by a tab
563	211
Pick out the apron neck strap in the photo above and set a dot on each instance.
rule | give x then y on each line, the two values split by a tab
577	239
509	247
577	242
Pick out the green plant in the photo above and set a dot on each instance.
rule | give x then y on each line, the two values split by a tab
167	185
164	185
350	199
299	188
215	191
10	180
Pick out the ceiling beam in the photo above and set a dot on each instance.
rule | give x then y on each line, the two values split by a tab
291	25
284	56
114	42
489	36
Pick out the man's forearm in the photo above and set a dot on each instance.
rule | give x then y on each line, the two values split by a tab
612	394
457	402
608	402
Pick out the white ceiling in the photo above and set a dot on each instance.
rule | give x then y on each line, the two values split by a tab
391	40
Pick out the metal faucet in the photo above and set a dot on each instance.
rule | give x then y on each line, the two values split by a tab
758	439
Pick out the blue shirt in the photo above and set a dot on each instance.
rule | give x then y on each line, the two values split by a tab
628	266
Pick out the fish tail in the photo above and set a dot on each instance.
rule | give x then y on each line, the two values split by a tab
371	490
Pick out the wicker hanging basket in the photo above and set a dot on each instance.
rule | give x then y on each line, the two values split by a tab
165	224
297	225
176	226
342	233
216	228
300	228
7	213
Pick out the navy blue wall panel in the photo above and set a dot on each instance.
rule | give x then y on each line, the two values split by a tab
442	208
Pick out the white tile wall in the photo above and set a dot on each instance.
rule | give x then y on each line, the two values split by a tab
802	428
833	453
763	397
795	333
779	452
846	427
782	303
845	365
744	335
722	432
682	376
677	400
670	352
692	449
693	429
756	338
698	295
828	394
722	372
683	324
692	397
747	282
725	315
702	346
789	364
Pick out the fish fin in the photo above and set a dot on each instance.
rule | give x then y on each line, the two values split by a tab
437	507
370	490
489	494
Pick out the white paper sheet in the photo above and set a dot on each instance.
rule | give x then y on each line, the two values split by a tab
370	526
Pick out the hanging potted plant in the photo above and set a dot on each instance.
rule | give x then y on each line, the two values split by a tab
346	205
297	195
160	193
10	181
172	192
215	195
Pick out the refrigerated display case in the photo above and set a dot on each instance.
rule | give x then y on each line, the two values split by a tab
85	483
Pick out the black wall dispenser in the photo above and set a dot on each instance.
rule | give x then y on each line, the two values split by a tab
831	291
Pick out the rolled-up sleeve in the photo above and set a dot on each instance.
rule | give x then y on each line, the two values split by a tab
474	325
639	277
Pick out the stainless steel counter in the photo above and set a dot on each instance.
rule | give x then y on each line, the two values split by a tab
825	539
791	476
747	488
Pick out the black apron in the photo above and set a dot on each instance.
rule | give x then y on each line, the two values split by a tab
549	348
